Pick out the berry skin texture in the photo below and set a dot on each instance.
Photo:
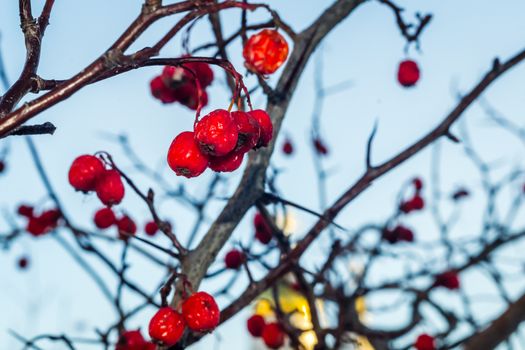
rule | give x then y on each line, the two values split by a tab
131	340
126	226
234	259
104	218
216	133
227	163
287	147
265	51
408	73
256	325
184	156
151	228
449	280
201	312
425	342
167	326
110	188
249	131
266	126
85	172
273	335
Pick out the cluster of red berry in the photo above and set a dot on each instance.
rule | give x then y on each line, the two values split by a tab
219	141
199	313
133	340
408	73
40	224
425	342
448	279
105	218
272	333
88	173
398	234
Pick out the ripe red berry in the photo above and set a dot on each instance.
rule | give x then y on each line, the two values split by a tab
85	172
188	95
104	218
184	156
320	147
216	133
167	326
202	71
398	234
287	147
126	227
36	227
25	210
265	51
256	325
263	232
109	187
418	202
201	312
175	76
449	280
151	228
227	163
23	262
273	335
265	123
425	342
160	91
408	73
131	340
418	184
50	217
234	259
249	131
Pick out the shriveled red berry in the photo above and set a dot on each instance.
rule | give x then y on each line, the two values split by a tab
227	163
110	188
266	125
256	325
234	259
425	342
104	218
263	232
151	228
126	227
25	210
249	131
23	262
273	335
201	313
160	91
320	147
216	133
84	172
418	184
167	326
265	51
287	147
184	156
408	73
130	340
449	280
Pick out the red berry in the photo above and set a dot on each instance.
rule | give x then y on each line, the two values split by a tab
256	325
104	218
201	312
202	71
167	326
173	76
266	126
160	91
398	234
50	217
265	51
25	210
84	172
187	94
249	131
449	280
425	342
417	202
418	184
460	194
23	263
287	147
408	73
227	163
36	227
110	189
216	133
131	340
126	227
263	232
184	156
320	147
151	228
234	259
273	335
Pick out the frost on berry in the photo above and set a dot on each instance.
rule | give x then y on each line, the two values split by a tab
265	51
184	156
216	133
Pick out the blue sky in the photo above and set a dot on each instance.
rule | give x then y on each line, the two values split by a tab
55	296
